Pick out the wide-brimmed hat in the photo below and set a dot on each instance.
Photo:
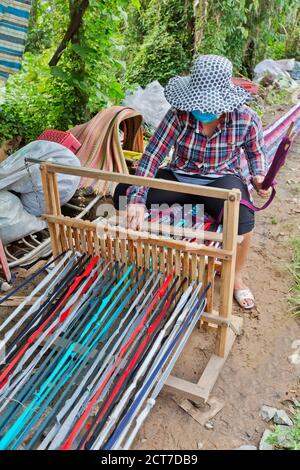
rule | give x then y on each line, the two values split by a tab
208	89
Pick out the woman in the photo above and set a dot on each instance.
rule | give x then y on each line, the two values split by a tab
208	125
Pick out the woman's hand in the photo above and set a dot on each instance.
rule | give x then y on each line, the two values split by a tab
135	216
257	181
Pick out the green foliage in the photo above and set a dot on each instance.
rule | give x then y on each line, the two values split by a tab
121	43
160	41
48	22
172	32
278	96
295	270
88	76
101	50
34	100
224	30
146	67
290	438
92	65
247	31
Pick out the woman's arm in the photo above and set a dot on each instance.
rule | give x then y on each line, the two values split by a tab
254	147
158	148
256	155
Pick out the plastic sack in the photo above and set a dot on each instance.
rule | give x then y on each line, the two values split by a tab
286	64
287	82
16	177
15	221
150	102
295	73
270	67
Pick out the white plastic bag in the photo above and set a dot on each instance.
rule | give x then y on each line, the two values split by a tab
270	67
15	177
286	64
150	102
15	221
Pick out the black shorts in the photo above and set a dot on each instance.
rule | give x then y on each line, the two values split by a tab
212	206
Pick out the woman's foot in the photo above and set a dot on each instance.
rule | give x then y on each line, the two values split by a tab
243	294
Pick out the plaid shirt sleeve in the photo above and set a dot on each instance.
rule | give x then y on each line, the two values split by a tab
157	149
254	147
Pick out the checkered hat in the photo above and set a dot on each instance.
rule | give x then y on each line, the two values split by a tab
208	89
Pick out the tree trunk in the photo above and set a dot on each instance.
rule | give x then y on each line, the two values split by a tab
254	25
74	27
200	15
78	66
293	37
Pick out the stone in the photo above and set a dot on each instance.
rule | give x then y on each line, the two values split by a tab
200	445
283	436
280	417
246	447
294	358
264	444
209	425
267	413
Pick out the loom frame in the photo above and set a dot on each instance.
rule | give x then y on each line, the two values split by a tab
194	261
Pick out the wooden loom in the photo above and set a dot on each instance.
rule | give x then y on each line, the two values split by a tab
196	262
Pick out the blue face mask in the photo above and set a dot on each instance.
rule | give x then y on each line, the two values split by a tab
204	117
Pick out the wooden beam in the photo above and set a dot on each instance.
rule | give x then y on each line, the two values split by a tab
189	389
48	198
216	363
156	183
116	231
217	320
201	390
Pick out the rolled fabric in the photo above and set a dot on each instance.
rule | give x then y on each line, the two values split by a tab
269	180
101	146
277	163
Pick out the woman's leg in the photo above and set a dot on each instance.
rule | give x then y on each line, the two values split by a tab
156	196
246	225
241	258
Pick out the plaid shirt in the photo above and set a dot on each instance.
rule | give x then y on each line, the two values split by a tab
195	153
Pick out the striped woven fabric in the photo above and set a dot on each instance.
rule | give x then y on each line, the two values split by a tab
101	147
274	133
14	18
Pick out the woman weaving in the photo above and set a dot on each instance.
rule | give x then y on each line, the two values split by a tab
208	125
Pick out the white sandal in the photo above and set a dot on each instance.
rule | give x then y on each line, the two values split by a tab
241	295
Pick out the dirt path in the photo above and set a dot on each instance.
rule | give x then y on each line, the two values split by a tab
257	371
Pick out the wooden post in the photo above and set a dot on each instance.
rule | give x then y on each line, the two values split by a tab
96	242
170	261
209	277
51	208
230	228
124	251
147	255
